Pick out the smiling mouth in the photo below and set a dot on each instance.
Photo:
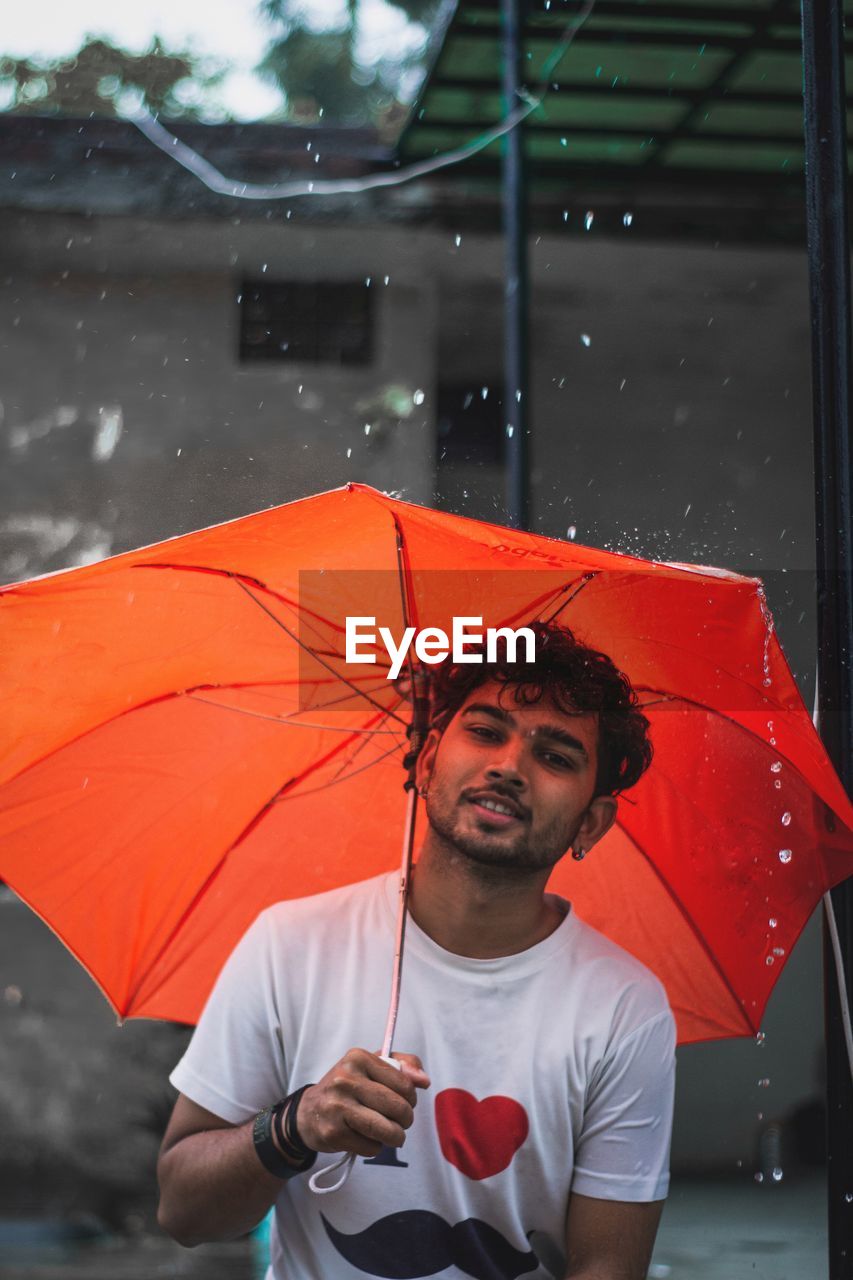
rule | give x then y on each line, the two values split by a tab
492	811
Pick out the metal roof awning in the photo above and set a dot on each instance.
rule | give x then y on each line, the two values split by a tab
649	92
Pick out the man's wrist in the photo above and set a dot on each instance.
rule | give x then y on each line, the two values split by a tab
279	1148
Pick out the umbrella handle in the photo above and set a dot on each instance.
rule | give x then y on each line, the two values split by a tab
346	1161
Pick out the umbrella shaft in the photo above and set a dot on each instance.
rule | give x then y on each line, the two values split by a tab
405	875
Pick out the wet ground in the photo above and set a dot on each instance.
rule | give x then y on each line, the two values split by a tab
711	1230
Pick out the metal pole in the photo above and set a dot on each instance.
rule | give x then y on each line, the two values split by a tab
829	284
515	278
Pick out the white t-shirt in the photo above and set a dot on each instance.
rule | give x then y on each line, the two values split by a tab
552	1071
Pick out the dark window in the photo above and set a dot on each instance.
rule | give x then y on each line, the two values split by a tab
470	426
328	323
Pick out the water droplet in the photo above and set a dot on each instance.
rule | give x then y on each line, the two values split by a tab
778	951
588	219
571	532
768	960
760	1037
418	397
759	1177
786	819
458	241
627	219
386	279
349	453
586	339
367	428
777	1174
776	766
773	922
785	855
484	391
564	142
509	430
764	1082
849	1197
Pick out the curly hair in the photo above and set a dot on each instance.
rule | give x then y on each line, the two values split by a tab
578	679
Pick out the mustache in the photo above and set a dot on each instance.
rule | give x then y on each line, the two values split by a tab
415	1242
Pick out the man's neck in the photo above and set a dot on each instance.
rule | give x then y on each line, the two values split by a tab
479	911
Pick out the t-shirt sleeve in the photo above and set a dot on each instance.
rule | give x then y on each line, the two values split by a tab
235	1065
623	1151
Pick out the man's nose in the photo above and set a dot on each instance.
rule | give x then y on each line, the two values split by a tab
508	764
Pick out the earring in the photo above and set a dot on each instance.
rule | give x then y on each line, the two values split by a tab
578	854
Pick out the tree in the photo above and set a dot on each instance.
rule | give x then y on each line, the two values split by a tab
319	71
100	78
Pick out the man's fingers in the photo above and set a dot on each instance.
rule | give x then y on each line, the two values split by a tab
413	1068
370	1124
374	1096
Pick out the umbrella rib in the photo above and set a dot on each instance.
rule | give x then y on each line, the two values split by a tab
697	932
584	582
287	720
304	613
280	799
278	622
216	869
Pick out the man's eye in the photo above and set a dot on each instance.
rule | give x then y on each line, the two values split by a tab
482	731
561	762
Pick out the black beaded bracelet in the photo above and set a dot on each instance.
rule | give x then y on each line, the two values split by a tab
268	1153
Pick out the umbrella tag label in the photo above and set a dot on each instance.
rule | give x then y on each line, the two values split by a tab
433	645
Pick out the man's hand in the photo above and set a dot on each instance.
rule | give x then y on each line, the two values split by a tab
361	1104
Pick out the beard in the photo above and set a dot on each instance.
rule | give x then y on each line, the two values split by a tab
497	854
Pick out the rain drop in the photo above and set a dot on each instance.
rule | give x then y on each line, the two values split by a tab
509	430
759	1177
484	391
777	1174
589	218
773	922
349	453
769	960
627	219
419	397
778	951
571	532
760	1037
849	1197
367	428
458	241
786	819
785	855
776	766
564	142
764	1082
586	339
777	785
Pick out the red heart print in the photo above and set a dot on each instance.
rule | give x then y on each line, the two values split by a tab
479	1137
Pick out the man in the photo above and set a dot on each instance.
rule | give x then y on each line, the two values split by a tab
540	1141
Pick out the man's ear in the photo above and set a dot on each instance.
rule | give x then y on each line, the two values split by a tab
426	759
597	821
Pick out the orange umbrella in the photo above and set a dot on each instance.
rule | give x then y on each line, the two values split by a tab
183	742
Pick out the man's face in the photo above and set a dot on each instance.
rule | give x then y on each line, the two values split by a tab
535	762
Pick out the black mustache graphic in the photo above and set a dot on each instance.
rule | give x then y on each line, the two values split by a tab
416	1243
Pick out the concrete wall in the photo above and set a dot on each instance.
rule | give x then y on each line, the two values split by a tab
670	411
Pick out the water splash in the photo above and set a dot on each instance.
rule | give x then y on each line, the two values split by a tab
768	634
786	819
785	855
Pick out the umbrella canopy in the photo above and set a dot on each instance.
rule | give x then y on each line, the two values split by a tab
183	743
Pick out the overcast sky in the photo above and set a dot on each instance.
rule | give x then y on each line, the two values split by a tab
229	29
